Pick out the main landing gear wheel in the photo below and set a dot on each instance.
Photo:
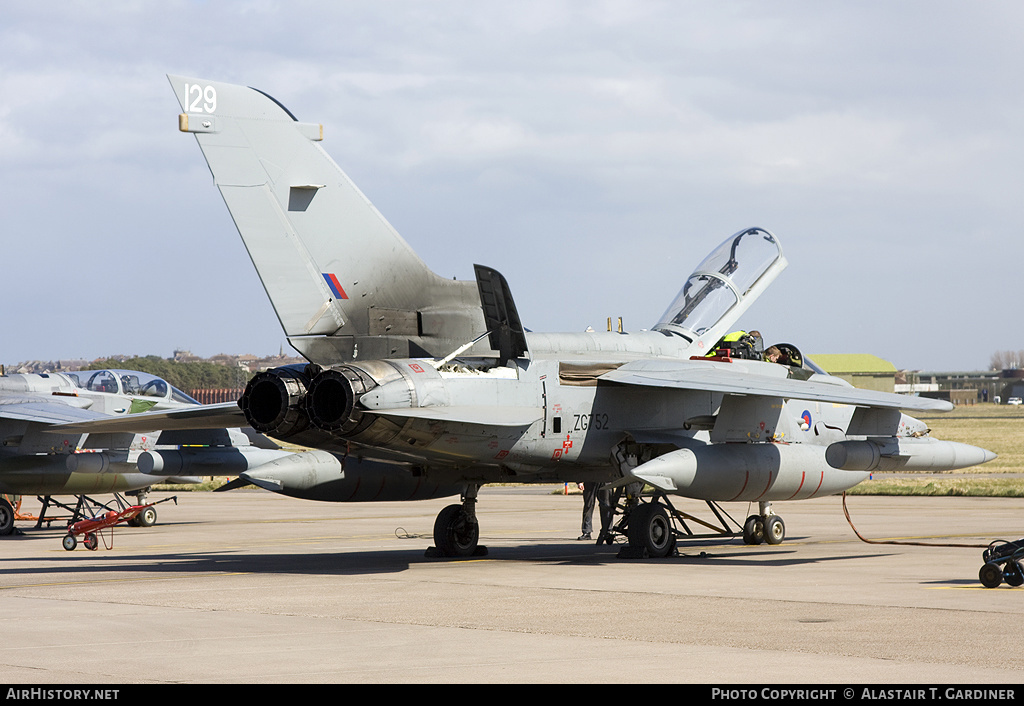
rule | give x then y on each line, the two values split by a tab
6	517
455	533
651	529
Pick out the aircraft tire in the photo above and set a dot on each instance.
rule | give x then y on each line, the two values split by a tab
69	542
454	534
6	517
774	530
753	530
651	529
1013	574
990	575
146	518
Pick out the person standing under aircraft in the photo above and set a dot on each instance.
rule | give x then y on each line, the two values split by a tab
589	497
607	500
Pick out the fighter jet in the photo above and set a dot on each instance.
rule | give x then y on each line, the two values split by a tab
37	459
419	386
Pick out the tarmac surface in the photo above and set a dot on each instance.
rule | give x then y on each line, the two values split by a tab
248	587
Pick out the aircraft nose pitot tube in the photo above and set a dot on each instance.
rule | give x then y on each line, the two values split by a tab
273	401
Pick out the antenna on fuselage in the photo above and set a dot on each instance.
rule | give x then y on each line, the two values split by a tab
458	351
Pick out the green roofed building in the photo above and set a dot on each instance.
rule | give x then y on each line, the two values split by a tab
863	370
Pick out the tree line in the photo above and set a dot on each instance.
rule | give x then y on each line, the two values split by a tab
1007	360
184	376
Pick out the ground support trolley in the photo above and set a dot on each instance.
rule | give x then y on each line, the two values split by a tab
91	528
87	507
1002	563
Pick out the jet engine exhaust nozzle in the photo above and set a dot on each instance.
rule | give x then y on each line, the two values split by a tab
273	402
332	398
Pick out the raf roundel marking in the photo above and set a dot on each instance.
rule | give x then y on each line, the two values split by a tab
805	420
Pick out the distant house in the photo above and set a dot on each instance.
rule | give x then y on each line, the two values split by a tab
862	370
183	356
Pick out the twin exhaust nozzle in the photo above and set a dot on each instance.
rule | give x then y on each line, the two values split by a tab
286	401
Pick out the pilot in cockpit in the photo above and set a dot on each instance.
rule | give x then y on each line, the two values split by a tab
784	354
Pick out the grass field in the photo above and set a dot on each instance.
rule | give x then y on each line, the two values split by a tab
998	428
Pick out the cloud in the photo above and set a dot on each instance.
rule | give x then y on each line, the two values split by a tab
592	151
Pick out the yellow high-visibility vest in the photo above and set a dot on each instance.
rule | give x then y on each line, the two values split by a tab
727	338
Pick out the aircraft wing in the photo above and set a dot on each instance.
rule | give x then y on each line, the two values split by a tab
711	377
46	411
214	416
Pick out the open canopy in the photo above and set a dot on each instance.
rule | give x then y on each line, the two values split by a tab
724	285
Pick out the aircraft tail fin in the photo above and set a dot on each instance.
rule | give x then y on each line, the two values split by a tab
343	282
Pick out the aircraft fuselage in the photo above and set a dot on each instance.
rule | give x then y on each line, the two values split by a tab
550	418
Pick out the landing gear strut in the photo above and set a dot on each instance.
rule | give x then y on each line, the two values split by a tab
654	528
456	529
764	527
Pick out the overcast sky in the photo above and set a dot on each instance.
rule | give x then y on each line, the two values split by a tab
593	152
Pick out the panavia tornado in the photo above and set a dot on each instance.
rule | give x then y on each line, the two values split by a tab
419	386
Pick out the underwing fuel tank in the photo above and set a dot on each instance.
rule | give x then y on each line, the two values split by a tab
908	454
746	472
321	475
226	461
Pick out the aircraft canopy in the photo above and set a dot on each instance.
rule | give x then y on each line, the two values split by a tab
128	382
725	278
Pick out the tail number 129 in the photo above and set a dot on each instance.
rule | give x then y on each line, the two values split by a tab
204	100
